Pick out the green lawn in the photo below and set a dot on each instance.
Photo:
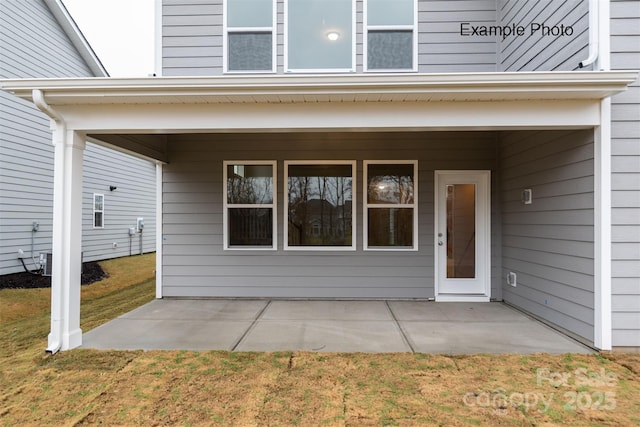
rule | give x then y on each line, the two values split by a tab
301	388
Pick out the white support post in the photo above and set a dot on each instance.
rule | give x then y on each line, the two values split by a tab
159	230
67	240
602	228
603	334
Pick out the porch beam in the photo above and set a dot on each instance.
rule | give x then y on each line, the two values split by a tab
356	116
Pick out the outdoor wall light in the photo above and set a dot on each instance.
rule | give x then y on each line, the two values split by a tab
333	35
112	188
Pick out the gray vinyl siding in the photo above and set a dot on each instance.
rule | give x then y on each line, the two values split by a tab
441	47
535	52
549	243
625	163
133	198
195	264
26	189
192	37
32	44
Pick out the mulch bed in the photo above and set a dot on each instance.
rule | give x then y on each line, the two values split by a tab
91	272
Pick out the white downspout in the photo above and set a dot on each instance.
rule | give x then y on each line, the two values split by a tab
594	34
59	130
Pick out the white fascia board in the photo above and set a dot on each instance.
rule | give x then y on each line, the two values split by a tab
327	88
327	116
74	33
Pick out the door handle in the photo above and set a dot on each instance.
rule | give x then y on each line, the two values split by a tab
440	243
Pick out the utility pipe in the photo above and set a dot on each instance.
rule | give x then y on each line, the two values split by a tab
594	34
55	336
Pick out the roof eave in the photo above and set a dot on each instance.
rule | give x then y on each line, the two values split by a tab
327	88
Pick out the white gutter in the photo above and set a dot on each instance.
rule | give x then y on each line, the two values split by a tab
340	88
594	33
55	336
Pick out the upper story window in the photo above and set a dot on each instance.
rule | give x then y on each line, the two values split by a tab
98	211
319	35
249	205
390	38
320	205
249	36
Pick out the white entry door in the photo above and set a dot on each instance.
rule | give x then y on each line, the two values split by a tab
462	235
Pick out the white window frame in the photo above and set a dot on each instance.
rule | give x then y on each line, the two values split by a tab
225	40
320	70
273	205
352	163
96	195
365	40
367	205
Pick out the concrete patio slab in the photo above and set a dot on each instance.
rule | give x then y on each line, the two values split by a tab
330	326
141	334
453	311
327	310
468	337
369	336
206	309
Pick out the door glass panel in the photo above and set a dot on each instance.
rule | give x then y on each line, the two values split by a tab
461	231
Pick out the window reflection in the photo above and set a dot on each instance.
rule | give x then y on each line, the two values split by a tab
250	205
390	227
392	184
250	227
249	184
391	205
320	205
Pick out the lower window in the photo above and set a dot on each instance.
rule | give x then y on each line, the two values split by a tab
98	210
390	208
320	204
250	203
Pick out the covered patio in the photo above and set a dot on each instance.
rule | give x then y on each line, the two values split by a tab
154	118
329	326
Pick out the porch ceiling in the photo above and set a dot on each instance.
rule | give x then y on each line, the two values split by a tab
463	87
134	114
